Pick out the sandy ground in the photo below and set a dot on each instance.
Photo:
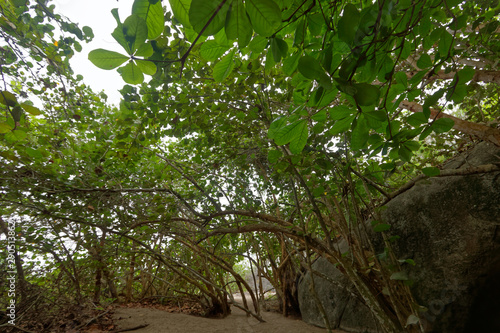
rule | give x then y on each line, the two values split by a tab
158	321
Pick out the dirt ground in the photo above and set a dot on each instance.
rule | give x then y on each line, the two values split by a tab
158	321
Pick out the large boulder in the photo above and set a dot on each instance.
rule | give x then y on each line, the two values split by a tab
450	227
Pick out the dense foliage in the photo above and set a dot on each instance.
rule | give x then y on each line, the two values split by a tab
263	130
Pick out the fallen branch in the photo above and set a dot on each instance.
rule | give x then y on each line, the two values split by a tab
130	329
444	173
483	132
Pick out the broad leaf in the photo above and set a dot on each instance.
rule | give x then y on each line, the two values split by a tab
152	14
431	171
238	25
180	8
265	16
442	125
207	16
34	153
105	59
348	24
31	109
131	73
366	94
135	30
224	67
8	98
147	67
311	69
211	50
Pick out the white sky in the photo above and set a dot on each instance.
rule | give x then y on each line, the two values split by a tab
97	15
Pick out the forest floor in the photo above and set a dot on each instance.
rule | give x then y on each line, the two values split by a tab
142	319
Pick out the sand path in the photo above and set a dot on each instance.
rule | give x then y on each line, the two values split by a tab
158	321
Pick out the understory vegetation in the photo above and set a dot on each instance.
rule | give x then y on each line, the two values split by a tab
252	137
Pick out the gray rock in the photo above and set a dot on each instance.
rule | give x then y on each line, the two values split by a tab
450	227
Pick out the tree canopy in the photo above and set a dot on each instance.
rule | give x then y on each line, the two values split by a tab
258	130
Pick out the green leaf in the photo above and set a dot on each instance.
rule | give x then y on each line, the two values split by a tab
131	73
290	64
340	112
147	67
431	171
118	34
360	134
238	25
399	276
34	153
180	8
152	14
135	31
320	116
16	135
145	50
381	227
211	50
5	128
224	67
417	119
465	75
105	59
445	44
341	125
366	94
279	49
274	155
31	109
311	69
201	12
442	125
424	61
348	24
8	98
265	16
258	44
286	134
299	140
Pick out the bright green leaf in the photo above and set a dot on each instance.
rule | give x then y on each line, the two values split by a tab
105	59
5	128
152	14
31	109
145	50
238	25
147	67
224	67
202	12
180	8
135	31
131	73
211	50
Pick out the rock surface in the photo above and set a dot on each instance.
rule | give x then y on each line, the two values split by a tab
450	226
